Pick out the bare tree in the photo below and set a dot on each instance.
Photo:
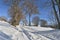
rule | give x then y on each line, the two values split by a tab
16	15
53	4
15	11
56	15
31	8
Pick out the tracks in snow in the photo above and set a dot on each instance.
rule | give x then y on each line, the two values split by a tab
32	36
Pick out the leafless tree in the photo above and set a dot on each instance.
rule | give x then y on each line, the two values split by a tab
52	4
16	11
31	8
56	15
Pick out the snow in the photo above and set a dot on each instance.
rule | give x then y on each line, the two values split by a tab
9	32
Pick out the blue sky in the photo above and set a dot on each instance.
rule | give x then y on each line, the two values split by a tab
43	11
3	9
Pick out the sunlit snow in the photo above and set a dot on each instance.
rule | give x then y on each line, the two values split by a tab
9	32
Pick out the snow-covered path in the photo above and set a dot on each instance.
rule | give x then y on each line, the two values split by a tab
8	32
33	36
51	34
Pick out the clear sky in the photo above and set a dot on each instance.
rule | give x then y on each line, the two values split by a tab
43	11
3	9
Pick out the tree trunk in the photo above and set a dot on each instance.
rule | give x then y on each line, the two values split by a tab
59	8
29	20
56	15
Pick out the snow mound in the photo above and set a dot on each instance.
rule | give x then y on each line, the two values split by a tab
9	32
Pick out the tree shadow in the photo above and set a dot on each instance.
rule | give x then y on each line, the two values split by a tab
51	34
5	36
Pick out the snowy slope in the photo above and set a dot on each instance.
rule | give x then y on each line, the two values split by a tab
9	32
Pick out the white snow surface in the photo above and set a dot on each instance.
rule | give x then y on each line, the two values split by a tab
9	32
